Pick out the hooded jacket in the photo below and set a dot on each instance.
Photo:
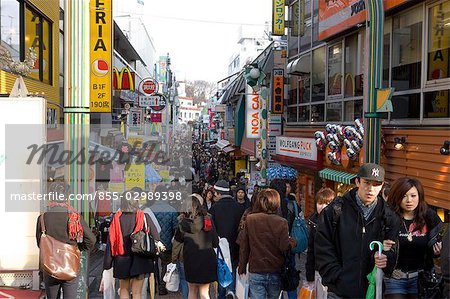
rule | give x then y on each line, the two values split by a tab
342	252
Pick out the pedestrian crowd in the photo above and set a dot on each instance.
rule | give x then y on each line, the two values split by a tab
223	242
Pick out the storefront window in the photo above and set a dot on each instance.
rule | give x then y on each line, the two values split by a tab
386	57
407	50
354	65
317	113
353	110
334	111
318	75
293	90
304	89
303	114
292	114
335	69
406	106
10	27
439	41
436	104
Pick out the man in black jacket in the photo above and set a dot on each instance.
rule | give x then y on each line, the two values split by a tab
226	215
346	228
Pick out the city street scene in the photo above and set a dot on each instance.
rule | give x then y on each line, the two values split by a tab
230	149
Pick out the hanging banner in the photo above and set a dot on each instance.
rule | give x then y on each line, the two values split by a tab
135	176
101	55
278	16
277	91
253	111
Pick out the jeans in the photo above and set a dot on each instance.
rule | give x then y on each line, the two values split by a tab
222	292
401	286
184	288
53	285
264	285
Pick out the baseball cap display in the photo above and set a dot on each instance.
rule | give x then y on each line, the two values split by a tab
371	172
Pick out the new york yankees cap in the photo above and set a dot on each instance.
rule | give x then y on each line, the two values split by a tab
371	172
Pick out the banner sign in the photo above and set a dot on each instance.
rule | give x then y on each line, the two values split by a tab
302	148
253	111
123	80
154	102
101	55
135	119
277	91
278	16
337	16
156	117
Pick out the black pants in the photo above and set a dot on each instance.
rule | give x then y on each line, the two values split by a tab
166	258
53	285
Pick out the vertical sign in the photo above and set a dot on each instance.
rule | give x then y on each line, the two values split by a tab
295	19
277	91
278	16
101	55
301	17
252	110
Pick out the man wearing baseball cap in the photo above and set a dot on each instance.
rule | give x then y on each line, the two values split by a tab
346	228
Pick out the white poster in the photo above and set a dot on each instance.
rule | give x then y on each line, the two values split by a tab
303	148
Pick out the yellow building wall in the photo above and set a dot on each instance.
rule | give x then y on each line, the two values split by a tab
49	8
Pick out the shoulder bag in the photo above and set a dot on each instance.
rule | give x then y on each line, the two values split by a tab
142	242
299	232
60	260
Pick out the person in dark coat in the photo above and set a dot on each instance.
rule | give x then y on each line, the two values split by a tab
226	215
198	235
129	268
242	198
74	231
445	264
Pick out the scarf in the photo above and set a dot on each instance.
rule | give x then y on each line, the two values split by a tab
75	229
115	232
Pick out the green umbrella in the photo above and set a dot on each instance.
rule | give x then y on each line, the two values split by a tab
375	277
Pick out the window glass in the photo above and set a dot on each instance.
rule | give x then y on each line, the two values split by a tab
436	104
407	50
32	38
439	41
406	106
293	91
46	57
292	114
303	113
354	65
61	53
304	89
335	69
317	113
386	57
318	75
334	111
10	27
353	110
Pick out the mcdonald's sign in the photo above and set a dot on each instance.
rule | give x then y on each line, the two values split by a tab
123	80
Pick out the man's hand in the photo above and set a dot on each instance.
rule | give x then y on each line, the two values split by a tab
241	272
380	260
387	245
437	248
160	246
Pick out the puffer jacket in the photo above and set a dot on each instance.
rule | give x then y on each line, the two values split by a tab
342	252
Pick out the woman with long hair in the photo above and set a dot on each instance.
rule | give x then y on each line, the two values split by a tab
199	239
407	198
209	198
266	237
131	269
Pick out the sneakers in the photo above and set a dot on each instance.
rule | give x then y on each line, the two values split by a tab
230	295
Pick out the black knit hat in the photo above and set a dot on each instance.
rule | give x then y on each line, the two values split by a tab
222	186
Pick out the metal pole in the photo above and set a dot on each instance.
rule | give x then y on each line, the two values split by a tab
263	96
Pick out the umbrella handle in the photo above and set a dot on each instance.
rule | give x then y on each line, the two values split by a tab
380	246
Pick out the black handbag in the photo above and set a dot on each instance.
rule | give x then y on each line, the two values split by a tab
430	285
142	242
290	277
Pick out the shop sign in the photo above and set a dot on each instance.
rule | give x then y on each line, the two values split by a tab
252	110
148	86
135	119
154	102
277	91
156	117
220	108
303	148
123	80
101	55
337	16
135	176
278	16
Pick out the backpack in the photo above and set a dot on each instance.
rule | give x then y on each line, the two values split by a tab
299	232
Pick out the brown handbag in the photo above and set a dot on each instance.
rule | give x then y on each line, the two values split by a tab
60	260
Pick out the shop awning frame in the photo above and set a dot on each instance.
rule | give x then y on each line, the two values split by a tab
337	176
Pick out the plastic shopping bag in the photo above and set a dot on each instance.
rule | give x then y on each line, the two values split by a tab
108	284
172	278
306	292
242	286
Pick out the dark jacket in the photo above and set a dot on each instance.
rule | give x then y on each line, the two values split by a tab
288	211
200	261
56	221
167	219
445	263
263	243
342	243
226	215
129	264
310	265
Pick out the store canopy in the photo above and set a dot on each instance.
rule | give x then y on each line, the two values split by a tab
300	66
228	149
221	144
337	176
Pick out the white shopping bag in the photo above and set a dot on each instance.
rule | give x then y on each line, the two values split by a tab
225	248
108	284
242	286
172	278
321	290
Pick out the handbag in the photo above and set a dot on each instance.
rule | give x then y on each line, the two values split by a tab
172	278
242	286
289	274
60	260
224	276
142	242
430	285
299	232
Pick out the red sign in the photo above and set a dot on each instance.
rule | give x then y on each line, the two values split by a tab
148	86
123	80
156	117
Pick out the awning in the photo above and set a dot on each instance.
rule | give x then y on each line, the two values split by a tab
337	176
229	149
300	66
221	144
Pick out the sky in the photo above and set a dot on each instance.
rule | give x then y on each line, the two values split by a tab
201	35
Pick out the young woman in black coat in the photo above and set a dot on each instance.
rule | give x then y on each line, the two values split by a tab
199	239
